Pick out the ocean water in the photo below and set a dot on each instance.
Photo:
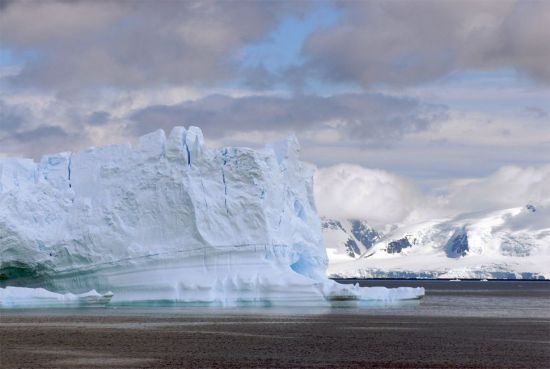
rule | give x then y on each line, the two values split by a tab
467	324
468	298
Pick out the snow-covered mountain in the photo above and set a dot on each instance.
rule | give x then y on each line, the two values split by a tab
348	238
510	243
166	219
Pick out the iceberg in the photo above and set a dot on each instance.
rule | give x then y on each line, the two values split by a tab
167	220
22	297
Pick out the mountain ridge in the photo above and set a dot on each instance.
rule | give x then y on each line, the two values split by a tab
511	243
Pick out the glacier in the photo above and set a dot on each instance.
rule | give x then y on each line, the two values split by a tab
167	220
509	243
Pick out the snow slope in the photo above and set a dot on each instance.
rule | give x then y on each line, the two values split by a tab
511	243
347	239
168	220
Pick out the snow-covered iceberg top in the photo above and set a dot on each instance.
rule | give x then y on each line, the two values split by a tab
167	219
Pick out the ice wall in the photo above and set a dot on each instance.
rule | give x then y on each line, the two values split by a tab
167	219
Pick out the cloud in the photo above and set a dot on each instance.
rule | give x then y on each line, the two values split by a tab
12	117
98	118
536	112
75	45
372	120
367	118
41	133
23	134
510	186
51	138
348	191
407	43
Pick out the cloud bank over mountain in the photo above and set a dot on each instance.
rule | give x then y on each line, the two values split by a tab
348	191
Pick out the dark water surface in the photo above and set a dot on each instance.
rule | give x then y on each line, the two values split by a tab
503	299
457	325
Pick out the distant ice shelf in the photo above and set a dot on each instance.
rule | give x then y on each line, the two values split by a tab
167	220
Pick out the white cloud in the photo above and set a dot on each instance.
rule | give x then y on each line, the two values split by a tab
510	186
350	191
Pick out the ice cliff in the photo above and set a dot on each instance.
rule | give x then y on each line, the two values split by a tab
168	219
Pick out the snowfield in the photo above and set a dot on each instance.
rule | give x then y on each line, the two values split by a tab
505	244
170	220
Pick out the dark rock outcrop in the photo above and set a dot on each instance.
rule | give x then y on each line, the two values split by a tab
352	248
362	232
397	246
457	245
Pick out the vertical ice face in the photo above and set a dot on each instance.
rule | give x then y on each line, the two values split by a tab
167	218
16	173
55	170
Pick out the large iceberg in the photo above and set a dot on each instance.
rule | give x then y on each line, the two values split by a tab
168	220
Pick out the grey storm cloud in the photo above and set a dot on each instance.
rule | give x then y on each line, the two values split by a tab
364	117
40	133
24	134
12	117
536	112
36	141
410	42
99	118
83	44
371	119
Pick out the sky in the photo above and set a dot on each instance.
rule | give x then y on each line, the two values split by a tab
414	102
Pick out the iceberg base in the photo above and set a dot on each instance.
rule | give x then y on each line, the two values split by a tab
262	277
23	297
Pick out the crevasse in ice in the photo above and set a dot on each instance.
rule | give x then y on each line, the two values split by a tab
168	219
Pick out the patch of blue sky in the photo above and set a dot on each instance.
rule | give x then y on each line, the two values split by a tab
282	47
330	88
9	57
